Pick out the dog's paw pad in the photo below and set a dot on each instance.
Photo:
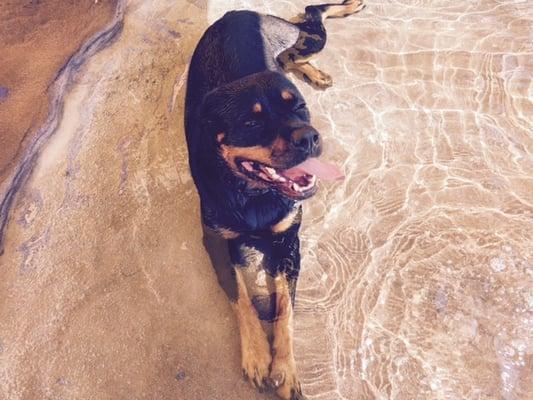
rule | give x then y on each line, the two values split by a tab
276	380
284	380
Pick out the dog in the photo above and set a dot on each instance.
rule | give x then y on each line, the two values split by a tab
253	158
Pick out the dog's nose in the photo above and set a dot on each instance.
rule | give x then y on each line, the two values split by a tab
307	140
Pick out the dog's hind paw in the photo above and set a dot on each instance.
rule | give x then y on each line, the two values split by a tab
319	79
355	6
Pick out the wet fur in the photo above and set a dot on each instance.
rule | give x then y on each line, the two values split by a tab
250	230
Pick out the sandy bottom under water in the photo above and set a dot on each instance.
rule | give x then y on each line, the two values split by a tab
417	277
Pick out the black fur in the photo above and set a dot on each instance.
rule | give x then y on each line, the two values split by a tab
227	74
239	104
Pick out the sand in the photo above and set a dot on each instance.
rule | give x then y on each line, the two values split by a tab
416	270
37	39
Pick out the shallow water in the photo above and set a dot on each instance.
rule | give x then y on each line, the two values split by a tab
417	277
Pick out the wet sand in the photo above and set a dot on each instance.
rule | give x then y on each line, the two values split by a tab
416	277
36	40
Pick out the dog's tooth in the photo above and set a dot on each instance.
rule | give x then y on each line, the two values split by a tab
278	178
296	187
264	176
271	171
247	166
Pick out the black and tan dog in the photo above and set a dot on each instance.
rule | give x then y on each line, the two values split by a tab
252	154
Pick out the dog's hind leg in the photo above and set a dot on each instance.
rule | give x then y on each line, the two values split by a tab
312	39
296	58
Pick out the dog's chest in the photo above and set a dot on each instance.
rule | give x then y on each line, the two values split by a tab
287	221
259	283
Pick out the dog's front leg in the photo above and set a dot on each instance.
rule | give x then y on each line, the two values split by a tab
229	258
283	374
255	349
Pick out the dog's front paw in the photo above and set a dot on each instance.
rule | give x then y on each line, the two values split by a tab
319	79
256	361
284	379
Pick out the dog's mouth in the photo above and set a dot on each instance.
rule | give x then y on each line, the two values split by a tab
293	183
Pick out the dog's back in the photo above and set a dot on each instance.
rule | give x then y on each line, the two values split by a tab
239	44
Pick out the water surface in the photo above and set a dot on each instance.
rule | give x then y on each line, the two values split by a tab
417	277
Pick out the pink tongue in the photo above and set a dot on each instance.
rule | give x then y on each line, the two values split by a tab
316	167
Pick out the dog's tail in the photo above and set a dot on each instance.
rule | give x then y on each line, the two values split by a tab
322	11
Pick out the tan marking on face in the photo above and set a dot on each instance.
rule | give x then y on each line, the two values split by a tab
279	146
255	153
291	218
283	363
257	108
220	136
255	349
286	95
298	134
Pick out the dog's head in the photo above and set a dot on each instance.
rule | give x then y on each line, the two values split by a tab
259	127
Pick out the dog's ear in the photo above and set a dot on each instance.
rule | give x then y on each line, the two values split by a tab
213	125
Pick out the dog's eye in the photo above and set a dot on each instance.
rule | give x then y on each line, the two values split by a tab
300	106
251	124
